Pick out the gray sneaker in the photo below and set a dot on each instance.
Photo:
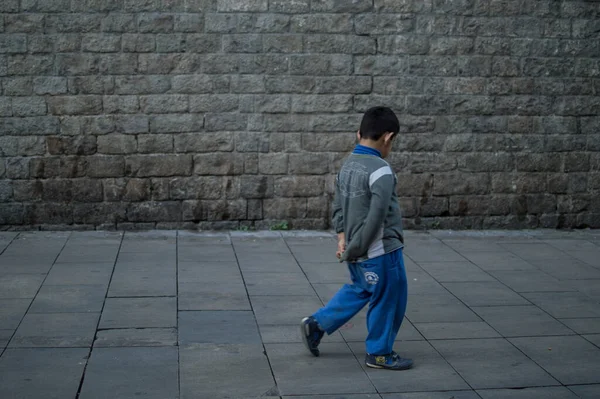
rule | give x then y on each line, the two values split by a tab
393	361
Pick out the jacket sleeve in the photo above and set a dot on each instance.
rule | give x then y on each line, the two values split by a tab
381	184
337	218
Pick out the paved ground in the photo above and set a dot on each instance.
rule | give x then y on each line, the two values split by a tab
176	314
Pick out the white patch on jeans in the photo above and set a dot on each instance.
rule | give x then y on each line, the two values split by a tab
372	278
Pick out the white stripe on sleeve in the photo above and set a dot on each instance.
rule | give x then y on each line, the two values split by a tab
385	170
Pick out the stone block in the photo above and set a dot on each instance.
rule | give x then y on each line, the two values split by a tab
75	105
106	166
155	143
159	165
163	211
299	186
309	163
138	43
273	163
113	22
256	187
18	86
71	145
49	85
202	187
155	23
325	64
218	164
101	43
242	5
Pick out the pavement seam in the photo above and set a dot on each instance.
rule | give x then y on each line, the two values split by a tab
87	360
237	261
38	290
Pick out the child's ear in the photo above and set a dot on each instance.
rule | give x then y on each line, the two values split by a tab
388	137
358	135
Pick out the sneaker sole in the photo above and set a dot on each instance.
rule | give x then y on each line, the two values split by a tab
375	366
304	339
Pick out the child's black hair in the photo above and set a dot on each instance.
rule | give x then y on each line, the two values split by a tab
377	121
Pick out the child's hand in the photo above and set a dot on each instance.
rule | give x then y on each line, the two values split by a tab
341	245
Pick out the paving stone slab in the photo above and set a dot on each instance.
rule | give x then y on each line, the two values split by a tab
485	294
54	330
528	393
5	336
586	391
14	286
238	327
571	269
440	308
583	326
430	371
148	244
469	244
335	371
355	330
310	253
88	253
130	373
136	337
257	245
143	280
326	272
19	265
139	313
593	338
277	284
590	288
69	299
225	296
284	309
211	286
521	321
433	395
565	304
80	274
502	260
492	363
536	251
164	259
473	329
571	246
433	253
589	257
12	311
455	271
420	282
283	334
272	264
530	281
571	360
52	373
342	396
203	366
205	253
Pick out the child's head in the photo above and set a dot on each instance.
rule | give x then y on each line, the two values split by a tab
378	127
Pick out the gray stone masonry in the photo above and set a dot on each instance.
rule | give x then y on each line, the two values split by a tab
138	114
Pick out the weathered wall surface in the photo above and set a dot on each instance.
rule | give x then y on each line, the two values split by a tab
228	113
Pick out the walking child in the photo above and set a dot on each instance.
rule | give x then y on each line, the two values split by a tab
368	220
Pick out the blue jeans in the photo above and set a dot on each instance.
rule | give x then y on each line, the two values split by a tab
382	283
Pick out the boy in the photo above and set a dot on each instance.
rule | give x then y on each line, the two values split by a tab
367	218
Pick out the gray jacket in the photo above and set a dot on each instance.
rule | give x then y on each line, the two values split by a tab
366	208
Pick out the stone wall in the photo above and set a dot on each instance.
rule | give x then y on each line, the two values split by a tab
237	113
